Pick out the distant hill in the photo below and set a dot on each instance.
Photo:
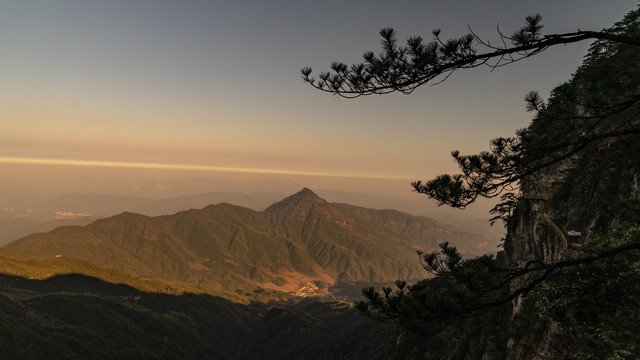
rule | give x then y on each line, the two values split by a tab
423	229
84	208
101	205
300	239
15	228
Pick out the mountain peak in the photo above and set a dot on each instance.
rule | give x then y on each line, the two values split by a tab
306	192
299	203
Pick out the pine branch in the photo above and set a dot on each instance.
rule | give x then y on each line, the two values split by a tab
405	68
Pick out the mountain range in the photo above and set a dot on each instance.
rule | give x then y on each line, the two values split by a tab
299	240
21	217
84	208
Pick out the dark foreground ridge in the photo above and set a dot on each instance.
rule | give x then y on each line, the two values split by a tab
79	317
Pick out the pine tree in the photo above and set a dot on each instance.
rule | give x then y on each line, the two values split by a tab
597	110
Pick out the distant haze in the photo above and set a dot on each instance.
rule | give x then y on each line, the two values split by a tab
115	96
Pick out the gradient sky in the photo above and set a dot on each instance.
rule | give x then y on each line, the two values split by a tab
216	84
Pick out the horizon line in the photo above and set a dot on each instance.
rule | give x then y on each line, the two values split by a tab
161	166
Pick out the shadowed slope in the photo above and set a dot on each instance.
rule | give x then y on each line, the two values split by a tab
425	230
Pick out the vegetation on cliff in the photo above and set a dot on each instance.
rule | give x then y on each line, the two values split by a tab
569	190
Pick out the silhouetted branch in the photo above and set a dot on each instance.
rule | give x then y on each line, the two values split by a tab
489	174
405	68
466	288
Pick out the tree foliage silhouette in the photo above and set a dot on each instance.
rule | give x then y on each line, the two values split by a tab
490	173
405	68
599	106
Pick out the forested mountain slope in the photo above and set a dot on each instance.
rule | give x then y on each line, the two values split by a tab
297	240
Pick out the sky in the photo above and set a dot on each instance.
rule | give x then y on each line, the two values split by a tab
213	88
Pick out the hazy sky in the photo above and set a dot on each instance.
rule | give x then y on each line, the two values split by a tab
216	84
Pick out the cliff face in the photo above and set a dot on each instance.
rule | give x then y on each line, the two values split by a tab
592	194
593	191
532	235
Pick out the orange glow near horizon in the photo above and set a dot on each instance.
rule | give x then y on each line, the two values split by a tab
138	165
